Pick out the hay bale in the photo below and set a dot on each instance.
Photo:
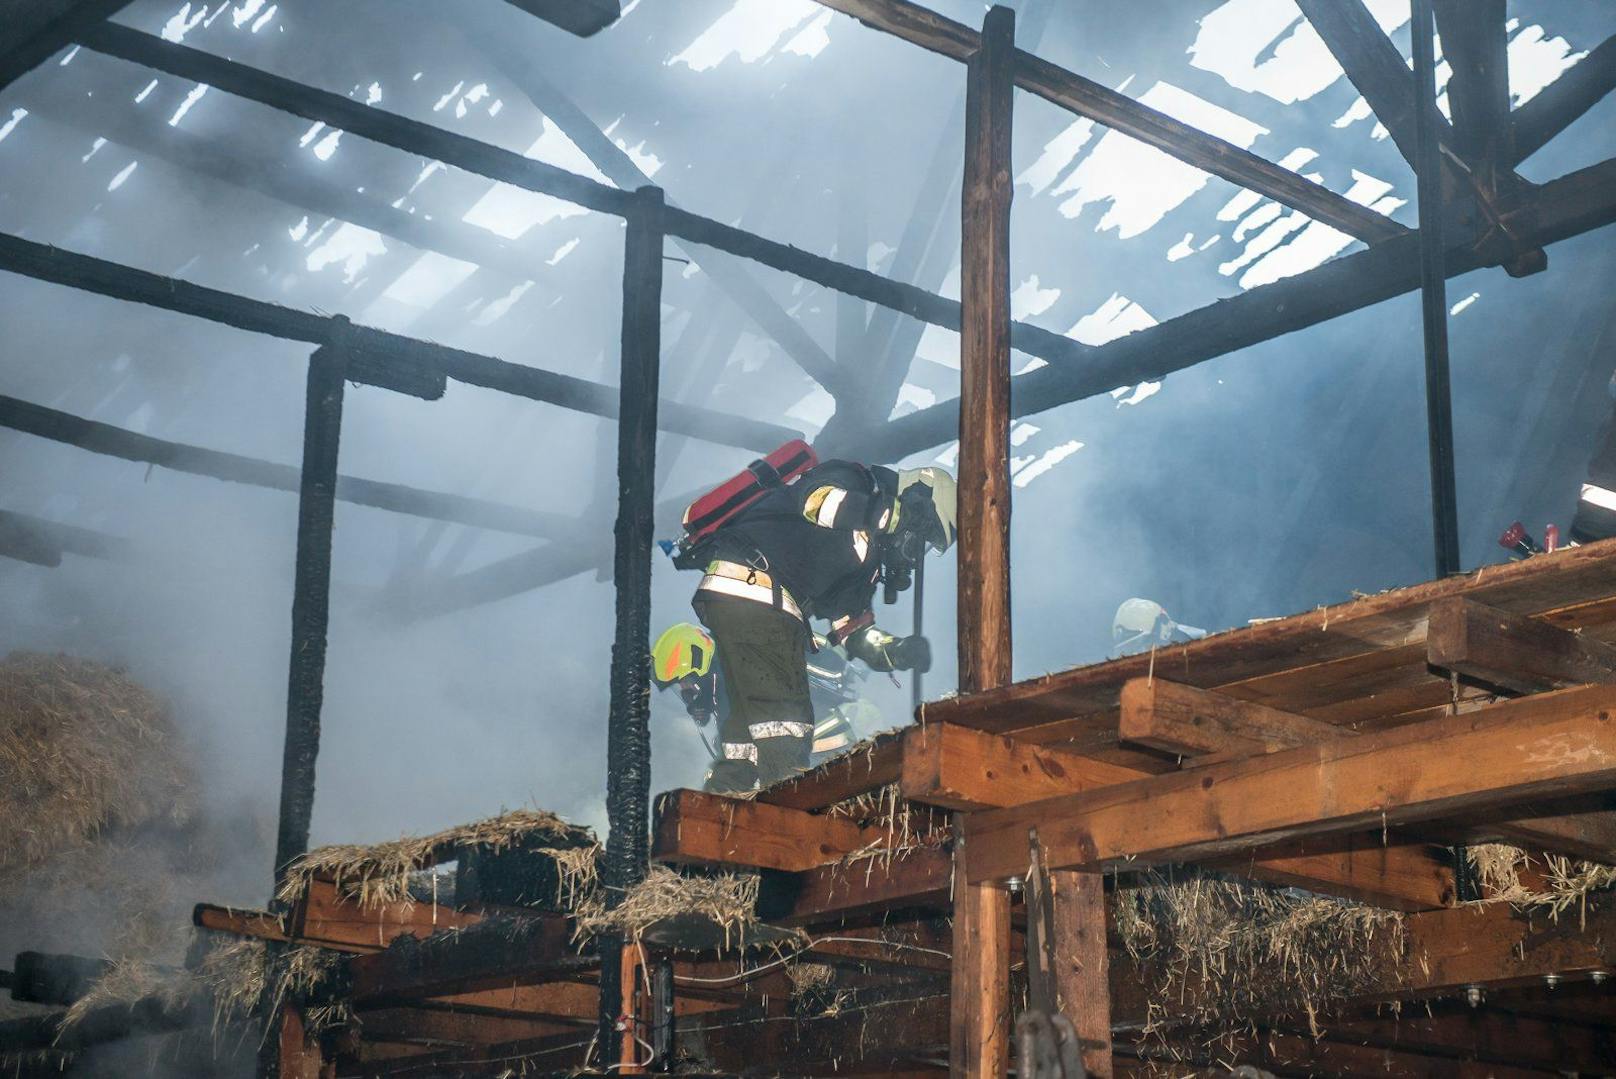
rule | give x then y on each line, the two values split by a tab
83	748
381	873
1235	950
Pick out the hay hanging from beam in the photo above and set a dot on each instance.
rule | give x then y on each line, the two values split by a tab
381	873
235	977
729	900
83	748
1232	950
1566	882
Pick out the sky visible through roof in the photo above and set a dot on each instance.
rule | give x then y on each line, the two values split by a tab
1249	486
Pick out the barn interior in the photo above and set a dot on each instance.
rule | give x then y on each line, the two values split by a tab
1269	734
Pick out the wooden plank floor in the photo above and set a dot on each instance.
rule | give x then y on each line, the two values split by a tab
1360	664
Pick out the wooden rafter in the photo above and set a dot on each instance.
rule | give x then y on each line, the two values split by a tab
1574	204
51	25
411	136
269	173
103	438
733	279
1373	64
1563	101
581	17
1100	103
43	543
1475	44
389	349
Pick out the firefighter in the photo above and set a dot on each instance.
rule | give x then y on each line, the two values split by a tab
813	548
683	657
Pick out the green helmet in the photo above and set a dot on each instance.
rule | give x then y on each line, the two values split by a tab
683	649
943	500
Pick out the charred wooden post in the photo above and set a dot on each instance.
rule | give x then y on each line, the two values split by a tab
1434	296
628	731
311	595
980	990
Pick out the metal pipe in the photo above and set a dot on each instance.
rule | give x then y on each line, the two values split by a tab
1434	297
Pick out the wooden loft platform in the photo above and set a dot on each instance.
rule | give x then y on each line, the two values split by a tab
1345	750
1359	666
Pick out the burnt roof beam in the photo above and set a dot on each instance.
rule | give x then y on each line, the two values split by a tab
27	43
117	281
1085	97
1563	101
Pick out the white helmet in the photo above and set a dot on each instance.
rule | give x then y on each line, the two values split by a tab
1141	623
944	501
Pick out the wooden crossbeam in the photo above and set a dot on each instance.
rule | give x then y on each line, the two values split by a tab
1563	101
434	143
696	828
1087	98
257	924
1569	206
864	768
1514	651
1558	744
581	17
325	917
1494	1035
1496	946
959	768
965	769
1208	727
251	166
43	543
858	889
127	283
494	953
103	438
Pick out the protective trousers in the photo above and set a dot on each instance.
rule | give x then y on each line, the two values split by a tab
768	729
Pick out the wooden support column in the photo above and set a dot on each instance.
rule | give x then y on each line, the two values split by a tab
311	592
1082	965
980	986
300	1055
628	730
1434	296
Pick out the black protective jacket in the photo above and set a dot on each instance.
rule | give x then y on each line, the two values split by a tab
820	537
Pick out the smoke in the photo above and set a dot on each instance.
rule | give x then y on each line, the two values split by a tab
1262	483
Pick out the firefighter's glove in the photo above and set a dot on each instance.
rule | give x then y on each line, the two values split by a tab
910	654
